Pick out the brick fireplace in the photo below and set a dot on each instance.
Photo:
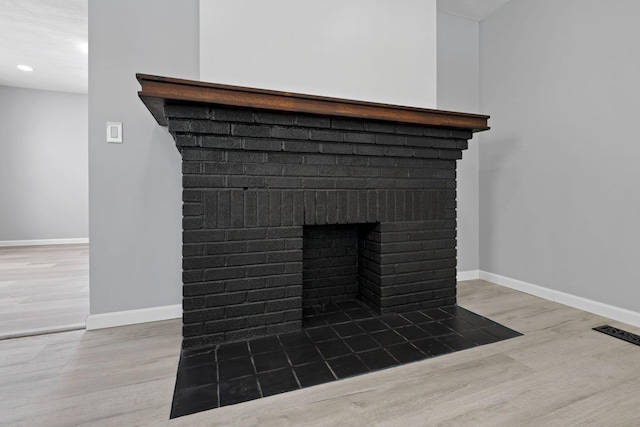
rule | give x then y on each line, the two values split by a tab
293	201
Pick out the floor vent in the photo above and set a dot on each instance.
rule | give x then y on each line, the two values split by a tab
619	333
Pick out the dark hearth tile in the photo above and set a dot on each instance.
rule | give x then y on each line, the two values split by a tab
387	337
348	305
371	325
336	317
323	333
232	350
456	324
264	344
347	366
412	333
435	329
479	336
432	347
477	320
313	321
198	359
270	361
191	400
377	359
294	339
395	320
360	343
333	348
196	376
456	311
360	313
347	329
235	368
304	354
276	382
501	332
437	314
309	311
405	353
331	307
416	317
313	373
339	347
456	342
239	390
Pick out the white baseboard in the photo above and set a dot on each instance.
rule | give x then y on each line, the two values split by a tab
132	317
468	275
612	312
42	242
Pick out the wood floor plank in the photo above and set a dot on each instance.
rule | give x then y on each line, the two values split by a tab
43	288
559	373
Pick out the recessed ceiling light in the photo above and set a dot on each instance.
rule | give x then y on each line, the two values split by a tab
25	68
84	47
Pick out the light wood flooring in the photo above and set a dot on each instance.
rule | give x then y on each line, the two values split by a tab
560	373
43	288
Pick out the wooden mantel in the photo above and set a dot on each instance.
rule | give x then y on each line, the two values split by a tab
158	91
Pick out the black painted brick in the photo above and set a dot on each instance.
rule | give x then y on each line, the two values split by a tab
220	142
313	121
256	131
262	144
274	118
196	316
186	111
218	168
301	146
338	148
202	288
198	154
326	135
232	115
348	124
202	181
290	132
210	127
224	299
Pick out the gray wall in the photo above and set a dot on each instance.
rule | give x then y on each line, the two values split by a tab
135	191
559	169
458	90
43	165
372	50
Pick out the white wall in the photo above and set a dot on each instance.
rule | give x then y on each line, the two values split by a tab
458	90
135	189
372	50
43	165
559	174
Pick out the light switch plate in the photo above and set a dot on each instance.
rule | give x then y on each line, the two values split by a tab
114	132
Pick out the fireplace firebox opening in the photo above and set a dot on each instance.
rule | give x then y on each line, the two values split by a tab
339	265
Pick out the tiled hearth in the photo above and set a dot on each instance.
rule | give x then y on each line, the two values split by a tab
344	340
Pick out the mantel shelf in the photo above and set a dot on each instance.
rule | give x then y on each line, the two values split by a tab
159	91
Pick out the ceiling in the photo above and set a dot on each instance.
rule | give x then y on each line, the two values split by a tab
47	34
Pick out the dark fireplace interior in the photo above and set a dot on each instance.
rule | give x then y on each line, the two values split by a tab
336	264
319	238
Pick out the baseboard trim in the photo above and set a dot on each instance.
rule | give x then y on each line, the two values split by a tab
132	317
468	275
612	312
42	242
